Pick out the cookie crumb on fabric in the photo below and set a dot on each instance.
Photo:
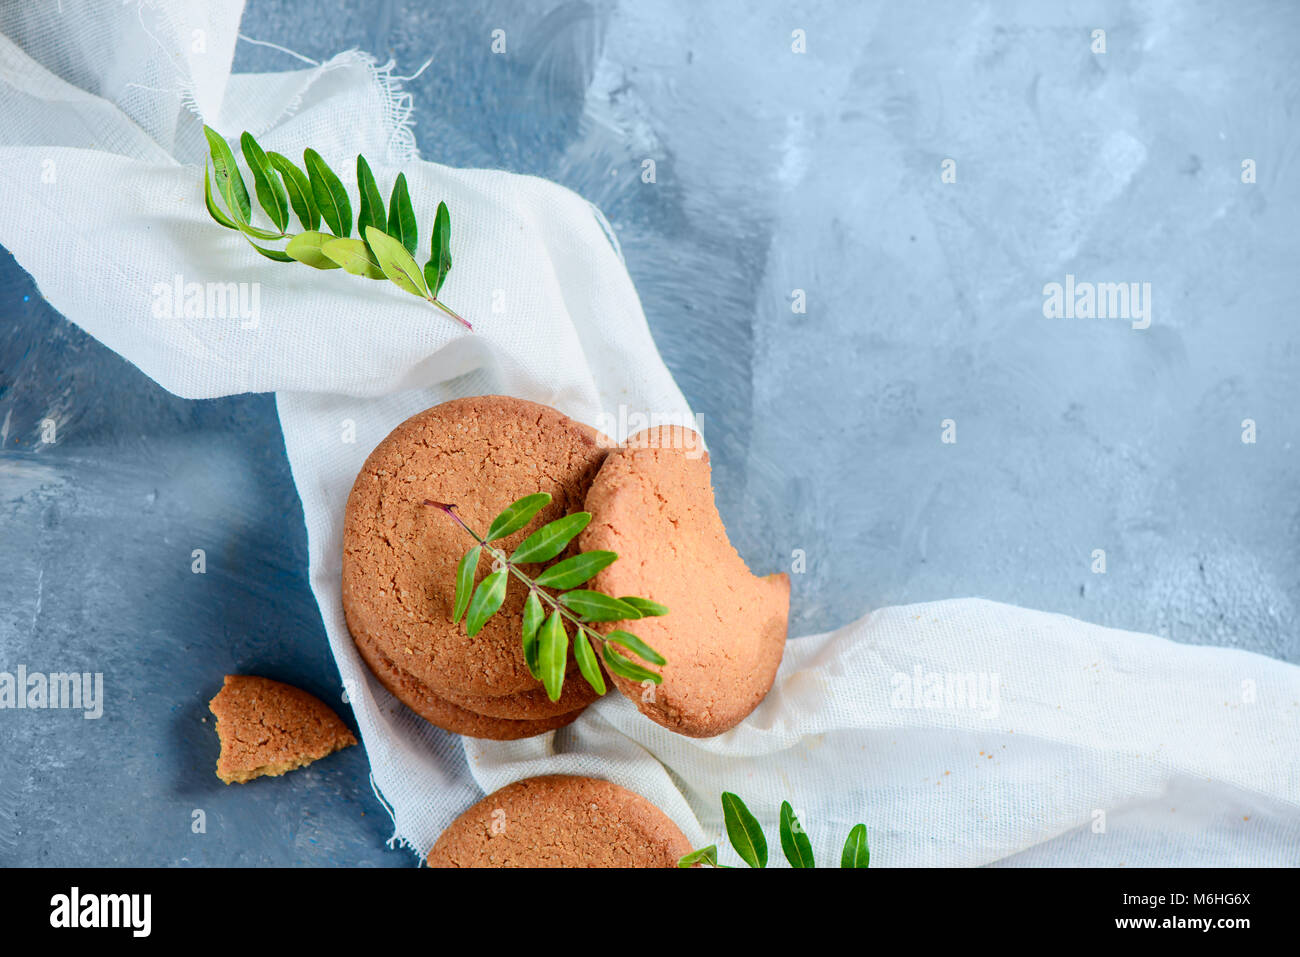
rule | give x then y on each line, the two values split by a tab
267	728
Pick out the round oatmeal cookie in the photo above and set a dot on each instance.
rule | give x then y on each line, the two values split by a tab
725	631
400	555
561	821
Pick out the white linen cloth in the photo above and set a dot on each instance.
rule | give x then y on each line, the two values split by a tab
1089	746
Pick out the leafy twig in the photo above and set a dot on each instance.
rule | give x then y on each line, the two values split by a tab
387	243
546	637
746	836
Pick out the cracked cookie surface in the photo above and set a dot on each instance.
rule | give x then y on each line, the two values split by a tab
561	821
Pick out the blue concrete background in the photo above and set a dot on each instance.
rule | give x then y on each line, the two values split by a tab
775	171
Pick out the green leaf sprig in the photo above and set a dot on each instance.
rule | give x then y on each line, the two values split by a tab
545	637
388	240
746	837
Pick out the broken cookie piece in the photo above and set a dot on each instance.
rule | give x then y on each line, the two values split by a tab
266	728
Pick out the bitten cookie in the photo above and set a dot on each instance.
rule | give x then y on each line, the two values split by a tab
561	821
268	728
400	556
725	631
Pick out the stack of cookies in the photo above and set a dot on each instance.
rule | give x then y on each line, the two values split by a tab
400	558
651	501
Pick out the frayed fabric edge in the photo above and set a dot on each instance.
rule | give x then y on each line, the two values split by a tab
399	106
397	840
396	101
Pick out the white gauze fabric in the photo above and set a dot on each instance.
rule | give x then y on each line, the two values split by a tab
1082	745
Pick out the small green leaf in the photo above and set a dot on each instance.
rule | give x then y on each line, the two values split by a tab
257	232
626	668
298	187
306	248
551	539
588	664
647	608
439	264
794	842
396	262
572	572
401	216
489	595
595	606
213	209
633	643
553	654
371	211
465	581
331	197
743	831
270	191
705	855
230	185
516	515
856	853
270	253
533	618
354	256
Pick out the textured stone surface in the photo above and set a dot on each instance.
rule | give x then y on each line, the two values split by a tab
774	172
